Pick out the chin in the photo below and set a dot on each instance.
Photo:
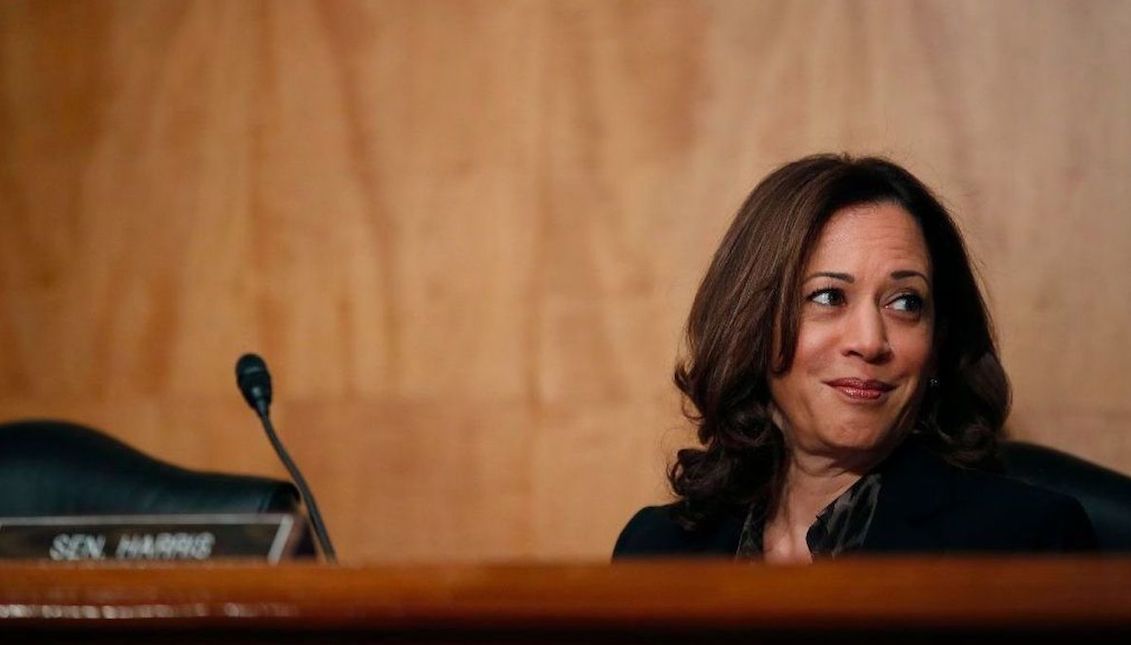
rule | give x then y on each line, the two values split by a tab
859	439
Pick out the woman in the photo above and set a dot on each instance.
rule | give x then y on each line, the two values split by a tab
846	386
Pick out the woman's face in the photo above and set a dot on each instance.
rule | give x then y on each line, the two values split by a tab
864	344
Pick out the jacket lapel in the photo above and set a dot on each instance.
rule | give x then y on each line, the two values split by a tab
916	486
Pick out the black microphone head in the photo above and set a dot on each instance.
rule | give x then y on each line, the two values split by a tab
254	382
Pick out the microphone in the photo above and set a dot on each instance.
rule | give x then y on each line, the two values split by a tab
254	382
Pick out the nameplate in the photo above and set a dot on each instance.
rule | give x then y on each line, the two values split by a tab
141	538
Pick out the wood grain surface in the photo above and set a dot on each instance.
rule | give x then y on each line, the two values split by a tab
1027	594
465	234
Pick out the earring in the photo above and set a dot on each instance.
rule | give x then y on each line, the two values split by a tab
933	383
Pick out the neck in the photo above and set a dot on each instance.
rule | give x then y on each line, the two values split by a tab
811	483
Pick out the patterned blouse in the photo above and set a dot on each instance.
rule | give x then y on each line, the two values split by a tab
840	528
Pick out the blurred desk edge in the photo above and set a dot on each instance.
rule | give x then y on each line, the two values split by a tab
851	596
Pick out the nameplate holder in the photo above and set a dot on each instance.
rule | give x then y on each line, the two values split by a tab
150	538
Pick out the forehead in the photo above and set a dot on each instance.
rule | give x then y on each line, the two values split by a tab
882	235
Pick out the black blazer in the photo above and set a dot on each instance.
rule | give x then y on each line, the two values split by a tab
926	505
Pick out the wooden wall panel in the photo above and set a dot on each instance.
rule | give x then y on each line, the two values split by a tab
465	234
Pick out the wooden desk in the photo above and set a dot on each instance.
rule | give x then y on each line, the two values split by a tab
863	600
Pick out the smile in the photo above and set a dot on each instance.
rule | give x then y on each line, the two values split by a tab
861	389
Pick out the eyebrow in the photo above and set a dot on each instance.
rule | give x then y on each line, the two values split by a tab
848	277
908	273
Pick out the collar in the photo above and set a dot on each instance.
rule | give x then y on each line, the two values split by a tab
840	527
917	485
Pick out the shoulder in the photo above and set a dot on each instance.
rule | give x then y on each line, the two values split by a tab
1034	518
654	531
934	505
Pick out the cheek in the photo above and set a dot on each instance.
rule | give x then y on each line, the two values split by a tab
813	358
914	350
816	349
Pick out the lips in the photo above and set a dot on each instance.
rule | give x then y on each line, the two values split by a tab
861	389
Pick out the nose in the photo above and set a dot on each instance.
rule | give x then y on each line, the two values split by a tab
865	335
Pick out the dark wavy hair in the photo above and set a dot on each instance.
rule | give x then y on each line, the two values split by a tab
752	286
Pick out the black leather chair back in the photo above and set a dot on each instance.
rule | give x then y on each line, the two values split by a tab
1104	493
57	468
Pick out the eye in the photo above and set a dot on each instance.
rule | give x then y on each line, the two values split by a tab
909	302
827	297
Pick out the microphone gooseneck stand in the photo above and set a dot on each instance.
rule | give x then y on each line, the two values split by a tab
255	383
